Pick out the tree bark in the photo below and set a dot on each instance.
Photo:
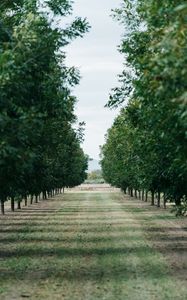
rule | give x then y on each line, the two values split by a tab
19	204
165	200
45	195
25	200
158	200
143	192
146	196
12	204
2	207
177	201
152	198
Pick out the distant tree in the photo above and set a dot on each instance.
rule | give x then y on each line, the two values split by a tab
95	175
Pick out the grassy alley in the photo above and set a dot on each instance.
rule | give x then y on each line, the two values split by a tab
93	245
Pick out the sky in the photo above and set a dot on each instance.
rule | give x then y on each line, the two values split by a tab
99	62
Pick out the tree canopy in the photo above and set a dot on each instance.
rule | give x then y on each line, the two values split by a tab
39	147
146	147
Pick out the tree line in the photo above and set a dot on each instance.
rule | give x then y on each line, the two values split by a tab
40	149
146	147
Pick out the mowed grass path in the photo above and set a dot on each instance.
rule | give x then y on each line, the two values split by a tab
92	245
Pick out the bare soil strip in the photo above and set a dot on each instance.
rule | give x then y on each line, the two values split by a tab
93	245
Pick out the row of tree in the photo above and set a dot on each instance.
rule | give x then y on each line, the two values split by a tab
146	148
95	177
39	147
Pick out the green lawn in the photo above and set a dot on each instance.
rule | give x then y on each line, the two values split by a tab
92	246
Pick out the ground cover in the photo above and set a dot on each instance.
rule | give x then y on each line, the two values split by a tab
93	245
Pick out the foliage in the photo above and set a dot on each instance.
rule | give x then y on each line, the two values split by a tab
147	145
95	176
39	149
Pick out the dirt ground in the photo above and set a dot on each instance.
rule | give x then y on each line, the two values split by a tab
93	244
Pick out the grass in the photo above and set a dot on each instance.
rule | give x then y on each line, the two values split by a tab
88	246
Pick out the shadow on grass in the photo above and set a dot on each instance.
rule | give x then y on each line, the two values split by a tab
94	239
81	238
47	258
118	273
118	267
105	228
62	224
80	252
63	211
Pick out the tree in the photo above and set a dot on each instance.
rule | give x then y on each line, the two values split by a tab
36	105
154	83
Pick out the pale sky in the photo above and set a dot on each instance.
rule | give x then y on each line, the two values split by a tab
99	62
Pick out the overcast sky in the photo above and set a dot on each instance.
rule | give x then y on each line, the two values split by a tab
99	62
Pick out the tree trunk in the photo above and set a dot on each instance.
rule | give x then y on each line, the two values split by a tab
177	201
165	200
131	192
135	193
158	200
25	200
19	204
152	198
43	195
139	192
2	207
63	190
12	203
143	192
31	199
36	198
146	196
125	191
